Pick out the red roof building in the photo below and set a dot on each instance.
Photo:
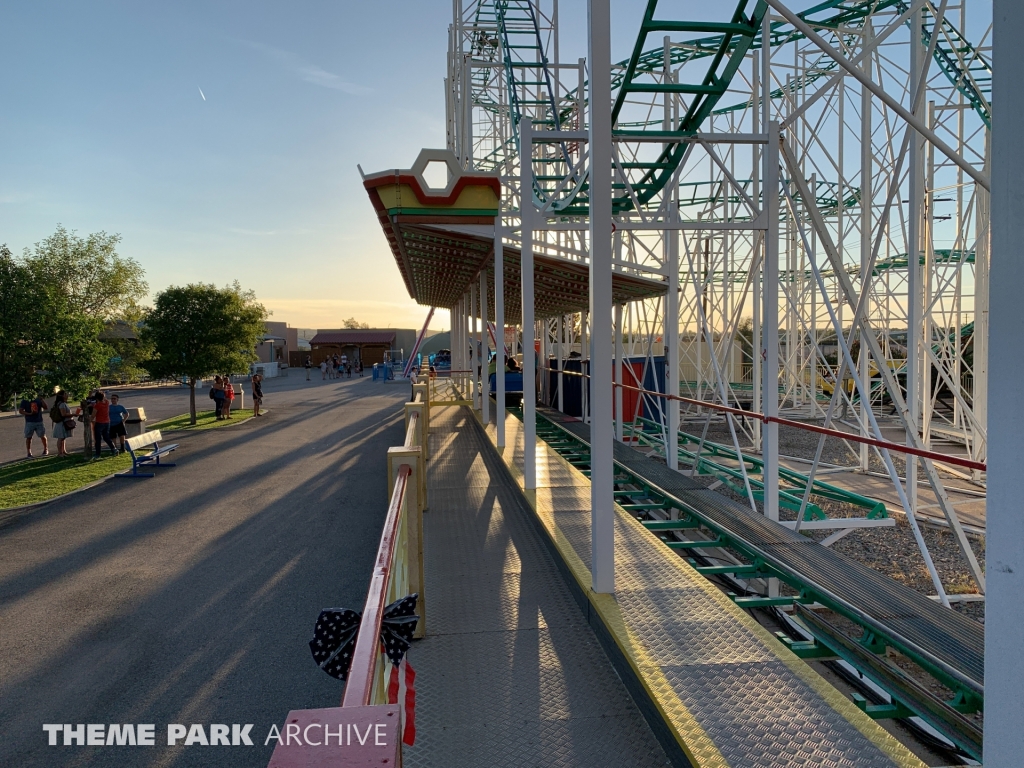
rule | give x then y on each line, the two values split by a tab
369	346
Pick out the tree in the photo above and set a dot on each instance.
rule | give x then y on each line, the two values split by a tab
199	330
44	343
353	324
96	280
129	352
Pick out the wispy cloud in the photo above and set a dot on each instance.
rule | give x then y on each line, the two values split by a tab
309	72
267	232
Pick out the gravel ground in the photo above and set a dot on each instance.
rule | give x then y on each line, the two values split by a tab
891	551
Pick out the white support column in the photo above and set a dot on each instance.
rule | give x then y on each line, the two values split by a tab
670	320
770	325
602	470
463	363
485	387
585	355
499	329
474	388
914	294
529	367
544	326
456	321
619	353
866	199
560	354
671	324
1004	609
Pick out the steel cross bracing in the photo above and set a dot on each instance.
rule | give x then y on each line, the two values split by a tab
881	232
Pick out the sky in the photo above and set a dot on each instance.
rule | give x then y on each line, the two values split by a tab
221	140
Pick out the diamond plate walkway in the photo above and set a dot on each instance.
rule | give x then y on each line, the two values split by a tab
510	674
721	690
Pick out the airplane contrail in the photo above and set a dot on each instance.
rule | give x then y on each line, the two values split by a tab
201	93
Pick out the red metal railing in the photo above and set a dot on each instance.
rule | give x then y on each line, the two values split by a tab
362	674
887	445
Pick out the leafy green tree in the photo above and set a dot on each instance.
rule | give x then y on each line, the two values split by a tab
129	352
96	280
44	343
353	324
199	330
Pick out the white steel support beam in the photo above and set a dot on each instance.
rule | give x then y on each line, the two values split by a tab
620	417
602	469
529	360
473	349
560	354
1004	610
485	387
884	97
914	294
979	401
866	202
499	329
770	326
850	297
671	336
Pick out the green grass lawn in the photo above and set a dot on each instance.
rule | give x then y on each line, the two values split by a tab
29	482
204	420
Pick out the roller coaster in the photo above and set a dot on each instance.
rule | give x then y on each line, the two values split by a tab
874	222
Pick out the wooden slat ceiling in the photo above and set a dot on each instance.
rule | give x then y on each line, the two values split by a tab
438	265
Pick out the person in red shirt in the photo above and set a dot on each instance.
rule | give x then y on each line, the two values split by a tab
101	424
229	397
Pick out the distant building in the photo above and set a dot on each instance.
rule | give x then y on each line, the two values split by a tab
277	343
370	345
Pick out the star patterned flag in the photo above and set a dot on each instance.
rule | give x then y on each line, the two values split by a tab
398	626
334	639
334	636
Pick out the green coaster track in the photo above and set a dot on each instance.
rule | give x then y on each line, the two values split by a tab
725	44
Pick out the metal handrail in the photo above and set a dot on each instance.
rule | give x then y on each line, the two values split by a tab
359	688
885	444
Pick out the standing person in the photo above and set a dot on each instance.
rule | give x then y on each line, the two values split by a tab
101	424
217	393
33	411
257	394
63	422
332	370
309	364
323	370
229	396
117	416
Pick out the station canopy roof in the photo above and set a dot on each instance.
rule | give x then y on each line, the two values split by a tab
442	238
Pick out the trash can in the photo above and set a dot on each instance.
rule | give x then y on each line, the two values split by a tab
238	403
135	422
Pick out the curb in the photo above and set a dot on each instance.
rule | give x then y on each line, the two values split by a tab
8	513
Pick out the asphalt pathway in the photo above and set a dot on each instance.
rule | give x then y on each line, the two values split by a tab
190	597
159	403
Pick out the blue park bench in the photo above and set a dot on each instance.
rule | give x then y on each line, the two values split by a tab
147	440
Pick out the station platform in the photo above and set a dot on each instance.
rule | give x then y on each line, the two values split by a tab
716	687
509	673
